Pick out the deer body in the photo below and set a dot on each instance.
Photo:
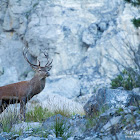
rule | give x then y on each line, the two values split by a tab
23	91
16	90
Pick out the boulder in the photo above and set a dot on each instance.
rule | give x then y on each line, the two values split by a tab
51	122
24	126
112	122
2	138
68	86
110	98
73	126
34	138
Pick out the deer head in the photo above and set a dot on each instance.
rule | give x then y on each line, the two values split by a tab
42	72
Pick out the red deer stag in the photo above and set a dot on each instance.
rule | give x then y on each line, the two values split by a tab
23	91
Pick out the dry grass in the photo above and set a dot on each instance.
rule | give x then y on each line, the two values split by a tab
8	118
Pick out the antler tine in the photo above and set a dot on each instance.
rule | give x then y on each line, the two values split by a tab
24	54
48	63
46	55
50	68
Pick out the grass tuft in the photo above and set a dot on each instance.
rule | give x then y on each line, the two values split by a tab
61	128
38	114
63	112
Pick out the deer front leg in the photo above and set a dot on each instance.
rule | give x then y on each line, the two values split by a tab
3	105
0	106
22	109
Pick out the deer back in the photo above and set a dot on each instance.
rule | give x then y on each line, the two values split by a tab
14	91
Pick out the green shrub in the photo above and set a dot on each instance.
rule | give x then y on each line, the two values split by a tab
127	80
133	2
136	3
120	110
61	128
136	22
39	114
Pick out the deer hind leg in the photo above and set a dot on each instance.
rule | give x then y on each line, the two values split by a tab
22	109
3	105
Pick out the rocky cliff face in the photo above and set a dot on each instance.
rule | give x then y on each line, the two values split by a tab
84	38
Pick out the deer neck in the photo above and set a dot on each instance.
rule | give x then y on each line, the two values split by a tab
37	85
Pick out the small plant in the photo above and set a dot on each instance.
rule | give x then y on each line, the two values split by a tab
138	111
63	112
126	80
61	128
124	122
120	109
39	114
92	121
19	132
136	22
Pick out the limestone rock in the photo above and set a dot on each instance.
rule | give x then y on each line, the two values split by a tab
2	138
82	38
25	126
112	122
111	98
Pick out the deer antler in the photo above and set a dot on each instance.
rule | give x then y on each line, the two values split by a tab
48	64
32	65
